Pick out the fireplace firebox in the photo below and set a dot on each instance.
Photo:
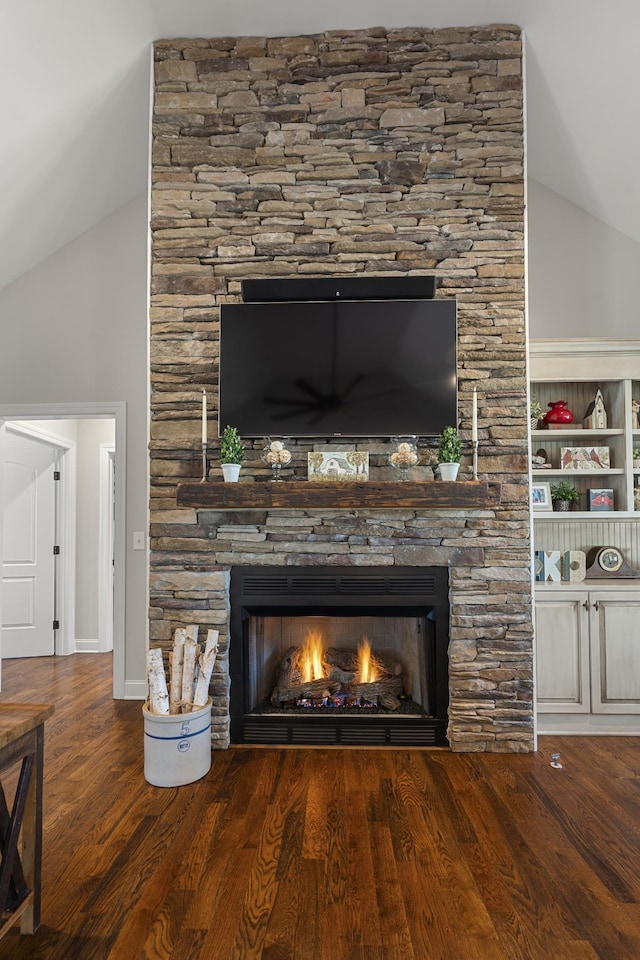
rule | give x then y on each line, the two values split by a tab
323	655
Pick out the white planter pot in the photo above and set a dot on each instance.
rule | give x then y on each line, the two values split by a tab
448	471
231	472
177	747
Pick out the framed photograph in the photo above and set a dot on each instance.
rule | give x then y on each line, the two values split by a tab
584	458
600	498
329	466
541	496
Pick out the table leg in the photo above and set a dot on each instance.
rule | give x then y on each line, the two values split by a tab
32	838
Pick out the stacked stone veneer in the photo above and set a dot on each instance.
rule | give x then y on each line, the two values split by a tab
347	153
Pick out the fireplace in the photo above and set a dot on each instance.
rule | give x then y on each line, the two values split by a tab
399	614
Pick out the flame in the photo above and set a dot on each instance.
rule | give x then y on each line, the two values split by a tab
367	670
311	657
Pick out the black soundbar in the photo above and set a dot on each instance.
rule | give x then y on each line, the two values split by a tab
339	288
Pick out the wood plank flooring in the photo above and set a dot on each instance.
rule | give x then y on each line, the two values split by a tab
325	854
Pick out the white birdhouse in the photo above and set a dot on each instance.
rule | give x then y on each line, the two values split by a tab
596	416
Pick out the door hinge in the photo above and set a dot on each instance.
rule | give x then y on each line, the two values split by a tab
56	551
56	474
56	624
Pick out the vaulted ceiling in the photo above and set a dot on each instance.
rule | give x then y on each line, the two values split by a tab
75	76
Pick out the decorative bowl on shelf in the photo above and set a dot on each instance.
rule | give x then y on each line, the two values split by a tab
405	455
276	455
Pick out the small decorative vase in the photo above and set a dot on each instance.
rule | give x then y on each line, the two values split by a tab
448	471
276	455
231	472
559	412
534	423
405	455
562	506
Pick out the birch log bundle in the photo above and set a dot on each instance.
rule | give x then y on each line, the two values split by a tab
190	669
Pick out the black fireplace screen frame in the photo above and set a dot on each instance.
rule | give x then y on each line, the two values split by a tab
411	591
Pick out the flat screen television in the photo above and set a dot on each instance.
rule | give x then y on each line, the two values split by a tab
365	368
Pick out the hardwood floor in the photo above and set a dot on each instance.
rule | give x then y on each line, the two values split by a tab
325	854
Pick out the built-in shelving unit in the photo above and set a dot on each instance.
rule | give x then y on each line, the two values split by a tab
587	655
290	494
574	373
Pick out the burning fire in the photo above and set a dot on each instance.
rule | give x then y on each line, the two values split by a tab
312	666
367	670
311	657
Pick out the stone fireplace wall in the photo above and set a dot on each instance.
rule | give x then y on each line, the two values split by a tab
381	152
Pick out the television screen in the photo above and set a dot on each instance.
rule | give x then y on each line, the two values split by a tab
367	368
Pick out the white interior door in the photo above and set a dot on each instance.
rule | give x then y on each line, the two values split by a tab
28	567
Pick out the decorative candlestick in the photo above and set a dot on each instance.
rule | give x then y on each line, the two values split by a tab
204	436
204	463
204	417
474	432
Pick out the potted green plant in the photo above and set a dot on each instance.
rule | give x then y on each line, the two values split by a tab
231	453
535	412
449	452
563	495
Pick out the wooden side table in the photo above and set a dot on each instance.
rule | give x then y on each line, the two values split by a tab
22	742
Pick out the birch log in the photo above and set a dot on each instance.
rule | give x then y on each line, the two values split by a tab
207	660
189	664
158	693
176	661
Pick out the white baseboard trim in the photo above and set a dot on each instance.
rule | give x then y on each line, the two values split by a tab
135	690
87	646
588	724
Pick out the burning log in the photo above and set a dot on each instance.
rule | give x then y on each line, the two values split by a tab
348	660
386	692
311	690
358	674
342	676
293	685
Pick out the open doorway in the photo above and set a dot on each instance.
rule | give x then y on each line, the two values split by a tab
89	523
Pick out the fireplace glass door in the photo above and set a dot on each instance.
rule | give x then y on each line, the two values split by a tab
340	664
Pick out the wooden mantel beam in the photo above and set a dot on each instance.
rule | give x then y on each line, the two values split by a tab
289	494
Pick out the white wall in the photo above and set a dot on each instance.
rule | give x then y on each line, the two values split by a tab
583	275
91	433
74	329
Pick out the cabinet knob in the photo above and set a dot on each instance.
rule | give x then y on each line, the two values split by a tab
586	604
597	605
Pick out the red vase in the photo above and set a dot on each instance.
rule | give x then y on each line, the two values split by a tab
558	413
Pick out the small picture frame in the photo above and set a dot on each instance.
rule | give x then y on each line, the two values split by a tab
600	498
330	466
541	496
584	458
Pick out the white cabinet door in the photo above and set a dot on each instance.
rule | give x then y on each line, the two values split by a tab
562	653
615	653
